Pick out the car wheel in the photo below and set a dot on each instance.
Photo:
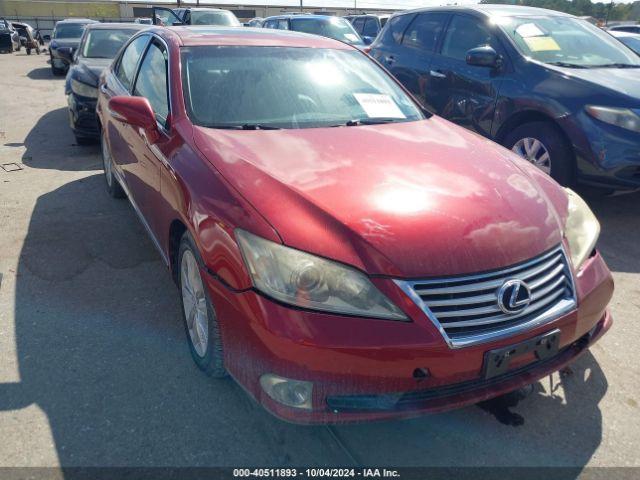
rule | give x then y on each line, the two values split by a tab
542	144
55	70
200	320
113	186
28	51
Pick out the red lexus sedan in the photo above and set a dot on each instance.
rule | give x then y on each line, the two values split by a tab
341	253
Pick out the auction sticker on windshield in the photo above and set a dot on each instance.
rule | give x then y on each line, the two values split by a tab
378	105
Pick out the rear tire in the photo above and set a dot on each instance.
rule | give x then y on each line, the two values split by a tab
561	165
200	319
113	186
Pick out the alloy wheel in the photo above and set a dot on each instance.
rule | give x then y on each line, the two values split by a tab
534	151
194	303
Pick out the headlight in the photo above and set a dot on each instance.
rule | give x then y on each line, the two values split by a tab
83	89
581	230
621	117
307	281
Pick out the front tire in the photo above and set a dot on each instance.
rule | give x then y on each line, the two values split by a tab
57	72
113	186
200	319
542	144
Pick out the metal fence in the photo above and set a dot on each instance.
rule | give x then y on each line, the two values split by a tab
46	24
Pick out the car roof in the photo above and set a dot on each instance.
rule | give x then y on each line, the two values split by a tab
256	37
620	34
121	25
206	9
371	15
304	15
497	10
77	20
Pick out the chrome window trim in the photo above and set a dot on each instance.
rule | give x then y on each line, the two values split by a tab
560	309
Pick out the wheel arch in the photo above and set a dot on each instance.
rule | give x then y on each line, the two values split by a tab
176	231
529	116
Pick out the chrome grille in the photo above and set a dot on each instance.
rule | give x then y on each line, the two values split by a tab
466	309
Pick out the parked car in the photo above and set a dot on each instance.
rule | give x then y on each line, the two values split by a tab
368	26
557	90
631	40
9	37
341	253
28	37
324	25
625	28
64	42
99	45
255	22
194	16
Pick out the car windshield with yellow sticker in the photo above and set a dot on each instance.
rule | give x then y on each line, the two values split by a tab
567	42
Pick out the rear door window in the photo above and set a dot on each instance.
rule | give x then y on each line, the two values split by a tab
370	27
283	24
270	24
129	60
425	30
395	30
358	24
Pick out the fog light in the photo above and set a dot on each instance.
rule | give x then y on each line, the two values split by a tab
293	393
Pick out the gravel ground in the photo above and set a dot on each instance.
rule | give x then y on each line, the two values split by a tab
95	371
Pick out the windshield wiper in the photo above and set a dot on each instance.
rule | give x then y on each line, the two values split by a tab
566	64
368	121
246	126
616	65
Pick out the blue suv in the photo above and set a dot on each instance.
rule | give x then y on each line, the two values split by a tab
557	90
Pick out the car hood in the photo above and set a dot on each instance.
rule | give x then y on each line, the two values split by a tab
413	199
91	68
66	42
625	81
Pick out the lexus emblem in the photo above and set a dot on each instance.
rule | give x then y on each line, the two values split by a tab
514	296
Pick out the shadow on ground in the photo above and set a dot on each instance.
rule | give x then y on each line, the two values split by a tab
43	73
51	145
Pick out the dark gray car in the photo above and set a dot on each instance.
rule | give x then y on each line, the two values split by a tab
64	42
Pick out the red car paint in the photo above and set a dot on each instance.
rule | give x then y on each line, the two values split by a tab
408	200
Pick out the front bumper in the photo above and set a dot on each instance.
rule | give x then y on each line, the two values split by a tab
609	156
82	116
363	369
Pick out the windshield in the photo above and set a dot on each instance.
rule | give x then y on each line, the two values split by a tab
105	43
278	87
337	28
69	30
222	18
566	41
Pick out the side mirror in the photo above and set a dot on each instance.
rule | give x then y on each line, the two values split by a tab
367	40
484	56
137	112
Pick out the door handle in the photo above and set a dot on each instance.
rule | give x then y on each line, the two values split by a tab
390	59
103	88
436	74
